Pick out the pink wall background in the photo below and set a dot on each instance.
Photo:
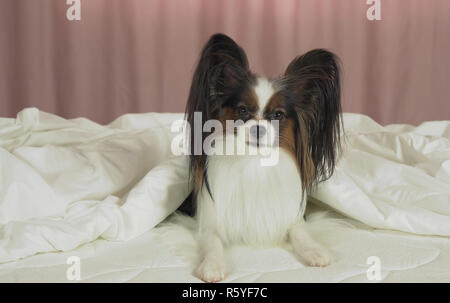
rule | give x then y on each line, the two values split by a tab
138	55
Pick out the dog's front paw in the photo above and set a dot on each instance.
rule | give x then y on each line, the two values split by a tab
318	256
211	270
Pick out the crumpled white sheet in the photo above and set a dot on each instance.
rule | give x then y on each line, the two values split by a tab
394	177
67	182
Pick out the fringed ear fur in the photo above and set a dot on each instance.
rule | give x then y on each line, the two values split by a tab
222	68
312	87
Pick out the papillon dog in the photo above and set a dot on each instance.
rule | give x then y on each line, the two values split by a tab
237	199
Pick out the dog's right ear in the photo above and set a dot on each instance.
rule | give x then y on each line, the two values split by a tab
222	68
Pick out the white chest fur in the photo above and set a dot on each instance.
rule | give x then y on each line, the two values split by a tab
254	204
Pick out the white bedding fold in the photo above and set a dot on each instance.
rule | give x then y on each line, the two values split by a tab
68	182
395	177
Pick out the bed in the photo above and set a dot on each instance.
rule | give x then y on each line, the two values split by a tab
103	193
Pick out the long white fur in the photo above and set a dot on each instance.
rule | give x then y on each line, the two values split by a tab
252	204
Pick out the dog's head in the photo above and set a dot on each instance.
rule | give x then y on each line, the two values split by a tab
304	102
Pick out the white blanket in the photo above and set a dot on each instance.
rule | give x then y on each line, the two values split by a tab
67	182
394	177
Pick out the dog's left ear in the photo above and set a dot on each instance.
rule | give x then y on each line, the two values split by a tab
312	84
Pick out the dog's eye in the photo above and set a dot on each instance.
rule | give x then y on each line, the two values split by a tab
278	115
243	111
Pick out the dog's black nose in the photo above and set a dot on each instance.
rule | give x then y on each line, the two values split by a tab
257	131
